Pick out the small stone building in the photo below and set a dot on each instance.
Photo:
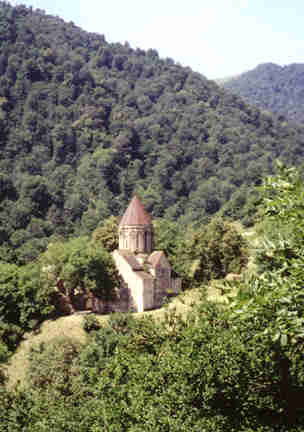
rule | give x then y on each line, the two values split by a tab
145	274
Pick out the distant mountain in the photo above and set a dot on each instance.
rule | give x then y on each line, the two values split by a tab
222	81
279	89
84	124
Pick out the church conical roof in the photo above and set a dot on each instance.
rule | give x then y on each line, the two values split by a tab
135	214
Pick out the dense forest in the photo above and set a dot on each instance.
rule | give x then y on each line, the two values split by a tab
85	123
234	367
279	89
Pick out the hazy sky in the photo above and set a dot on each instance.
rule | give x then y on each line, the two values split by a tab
215	37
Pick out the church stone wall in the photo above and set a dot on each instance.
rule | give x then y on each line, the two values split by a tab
140	284
162	285
136	238
148	293
146	274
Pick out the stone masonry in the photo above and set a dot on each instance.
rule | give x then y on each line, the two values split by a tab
146	274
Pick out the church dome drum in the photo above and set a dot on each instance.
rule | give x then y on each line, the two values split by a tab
135	229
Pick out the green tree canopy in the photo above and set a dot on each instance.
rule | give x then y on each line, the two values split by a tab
81	265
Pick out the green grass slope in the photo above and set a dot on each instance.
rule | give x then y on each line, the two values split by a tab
72	326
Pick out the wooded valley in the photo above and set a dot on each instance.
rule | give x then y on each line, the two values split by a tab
84	125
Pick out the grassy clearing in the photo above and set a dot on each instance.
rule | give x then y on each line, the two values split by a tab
71	326
65	326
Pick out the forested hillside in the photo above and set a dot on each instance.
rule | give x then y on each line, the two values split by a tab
234	368
85	123
279	89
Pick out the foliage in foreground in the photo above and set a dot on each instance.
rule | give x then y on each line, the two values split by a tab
25	301
237	368
29	295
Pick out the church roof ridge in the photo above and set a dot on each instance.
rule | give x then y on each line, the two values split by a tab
156	257
135	214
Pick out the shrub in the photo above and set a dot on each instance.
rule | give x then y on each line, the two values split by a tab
91	323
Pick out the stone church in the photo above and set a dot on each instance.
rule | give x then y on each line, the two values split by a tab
145	273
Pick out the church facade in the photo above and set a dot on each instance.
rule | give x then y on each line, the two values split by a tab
145	274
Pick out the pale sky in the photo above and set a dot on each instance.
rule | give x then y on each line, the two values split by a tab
218	38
